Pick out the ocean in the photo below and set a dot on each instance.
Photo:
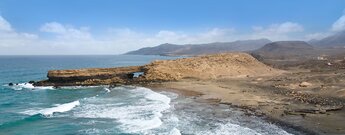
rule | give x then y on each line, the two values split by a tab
127	110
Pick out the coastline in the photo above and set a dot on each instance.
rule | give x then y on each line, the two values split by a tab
252	100
310	101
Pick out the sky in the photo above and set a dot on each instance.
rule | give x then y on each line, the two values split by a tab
77	27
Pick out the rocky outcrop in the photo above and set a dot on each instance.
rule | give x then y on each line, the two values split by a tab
91	76
305	84
202	67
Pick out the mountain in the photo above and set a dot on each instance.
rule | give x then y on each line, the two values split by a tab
285	50
334	41
197	49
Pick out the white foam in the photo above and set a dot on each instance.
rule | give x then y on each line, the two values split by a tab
137	125
175	131
107	90
234	129
50	111
78	87
44	88
158	97
229	129
21	86
142	113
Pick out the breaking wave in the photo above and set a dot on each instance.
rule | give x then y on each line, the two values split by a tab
141	109
29	86
57	109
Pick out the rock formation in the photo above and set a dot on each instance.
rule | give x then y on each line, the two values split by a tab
203	67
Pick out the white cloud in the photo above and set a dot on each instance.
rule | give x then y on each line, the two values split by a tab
339	25
4	25
65	31
9	37
180	37
166	36
286	27
218	34
53	27
68	39
123	32
281	31
126	39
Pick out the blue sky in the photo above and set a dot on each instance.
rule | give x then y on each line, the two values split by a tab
117	26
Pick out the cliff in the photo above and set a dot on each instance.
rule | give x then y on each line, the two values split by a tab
202	67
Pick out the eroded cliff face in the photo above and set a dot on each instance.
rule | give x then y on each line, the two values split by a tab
227	65
90	76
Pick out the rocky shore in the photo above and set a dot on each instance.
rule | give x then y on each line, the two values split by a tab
305	99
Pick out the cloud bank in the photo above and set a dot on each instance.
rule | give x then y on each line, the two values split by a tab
10	38
65	31
282	31
56	38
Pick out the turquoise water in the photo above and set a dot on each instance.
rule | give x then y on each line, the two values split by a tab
28	110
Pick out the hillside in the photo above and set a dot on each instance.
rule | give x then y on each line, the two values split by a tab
334	41
285	50
208	67
198	49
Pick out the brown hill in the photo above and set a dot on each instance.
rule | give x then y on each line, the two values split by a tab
286	50
207	67
227	65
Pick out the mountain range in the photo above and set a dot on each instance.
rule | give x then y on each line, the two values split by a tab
197	49
336	40
331	45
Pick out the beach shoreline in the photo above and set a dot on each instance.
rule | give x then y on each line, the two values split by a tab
310	98
269	105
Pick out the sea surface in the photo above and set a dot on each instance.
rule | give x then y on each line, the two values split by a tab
127	110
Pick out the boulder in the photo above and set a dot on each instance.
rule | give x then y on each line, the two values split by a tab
31	82
305	84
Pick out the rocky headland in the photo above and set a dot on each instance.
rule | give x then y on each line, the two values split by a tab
309	97
202	67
